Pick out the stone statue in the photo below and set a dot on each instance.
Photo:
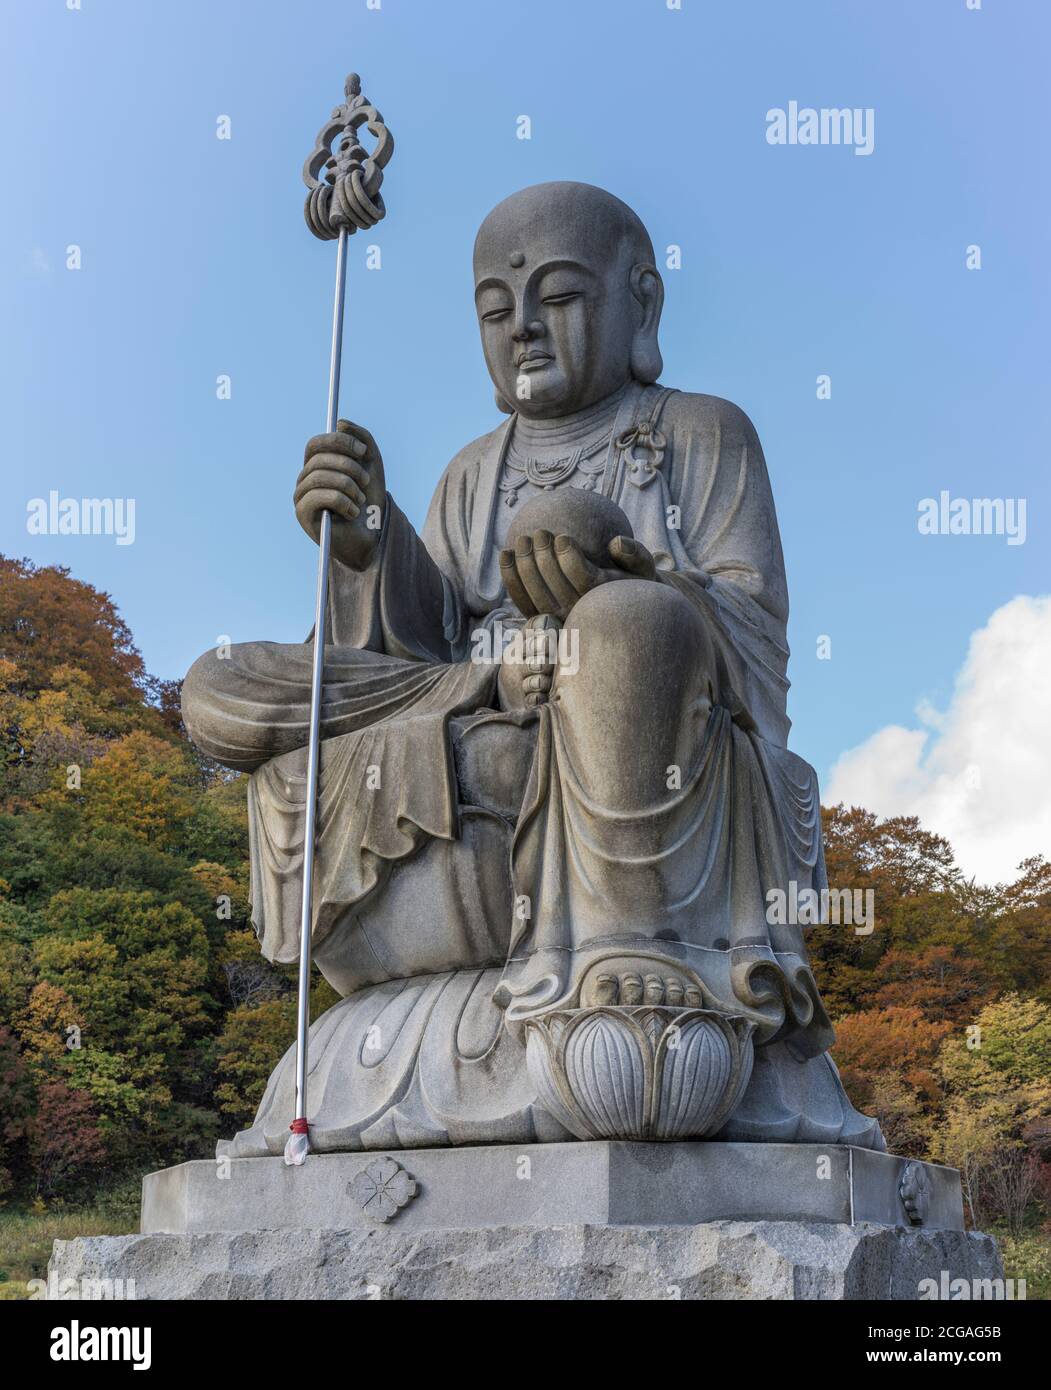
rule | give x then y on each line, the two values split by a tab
555	788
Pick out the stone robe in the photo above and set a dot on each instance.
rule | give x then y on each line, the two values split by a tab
475	867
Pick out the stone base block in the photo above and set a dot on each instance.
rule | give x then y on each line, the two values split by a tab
530	1185
717	1260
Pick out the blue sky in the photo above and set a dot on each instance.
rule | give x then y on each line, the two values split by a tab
796	261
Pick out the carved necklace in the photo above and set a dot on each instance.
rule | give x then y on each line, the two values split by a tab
548	473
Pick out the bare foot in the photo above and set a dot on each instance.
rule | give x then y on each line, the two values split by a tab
637	980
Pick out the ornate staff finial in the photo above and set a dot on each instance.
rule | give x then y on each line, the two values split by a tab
349	195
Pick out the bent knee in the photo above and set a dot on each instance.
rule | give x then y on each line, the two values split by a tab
644	626
198	682
237	667
202	685
643	608
211	673
222	709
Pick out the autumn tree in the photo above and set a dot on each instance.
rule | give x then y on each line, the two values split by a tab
887	1060
143	784
16	1107
911	876
940	981
64	1142
48	621
998	1077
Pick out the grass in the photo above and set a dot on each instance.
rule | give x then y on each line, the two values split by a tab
1027	1256
26	1234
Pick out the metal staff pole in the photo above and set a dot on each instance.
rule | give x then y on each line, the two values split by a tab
348	198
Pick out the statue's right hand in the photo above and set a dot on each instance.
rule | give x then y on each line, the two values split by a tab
343	474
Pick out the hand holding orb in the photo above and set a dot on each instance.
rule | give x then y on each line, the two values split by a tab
565	542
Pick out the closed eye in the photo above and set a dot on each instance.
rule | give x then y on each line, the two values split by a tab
562	298
493	314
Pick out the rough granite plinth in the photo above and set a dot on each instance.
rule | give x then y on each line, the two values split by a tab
717	1260
601	1183
603	1220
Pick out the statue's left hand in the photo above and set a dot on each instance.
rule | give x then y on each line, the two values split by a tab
548	574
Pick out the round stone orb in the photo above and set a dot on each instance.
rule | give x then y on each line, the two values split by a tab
591	519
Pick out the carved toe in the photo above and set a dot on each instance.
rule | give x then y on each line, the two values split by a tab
631	989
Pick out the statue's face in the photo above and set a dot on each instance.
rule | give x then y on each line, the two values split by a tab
556	334
555	307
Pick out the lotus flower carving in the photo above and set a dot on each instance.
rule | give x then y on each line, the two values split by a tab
639	1072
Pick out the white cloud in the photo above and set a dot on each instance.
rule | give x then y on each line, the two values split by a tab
979	773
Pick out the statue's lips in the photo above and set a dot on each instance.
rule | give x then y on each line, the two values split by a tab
533	361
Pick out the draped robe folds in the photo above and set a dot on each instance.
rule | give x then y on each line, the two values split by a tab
438	813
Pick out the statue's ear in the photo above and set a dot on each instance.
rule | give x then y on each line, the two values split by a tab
648	289
502	402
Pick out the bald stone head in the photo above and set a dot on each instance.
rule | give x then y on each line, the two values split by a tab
568	298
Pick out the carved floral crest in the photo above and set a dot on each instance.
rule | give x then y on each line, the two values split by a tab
382	1188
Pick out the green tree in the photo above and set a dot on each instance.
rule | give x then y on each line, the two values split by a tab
251	1041
136	968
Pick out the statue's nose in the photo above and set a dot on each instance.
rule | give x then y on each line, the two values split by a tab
524	331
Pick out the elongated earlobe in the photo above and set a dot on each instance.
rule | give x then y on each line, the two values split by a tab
646	361
648	288
502	403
